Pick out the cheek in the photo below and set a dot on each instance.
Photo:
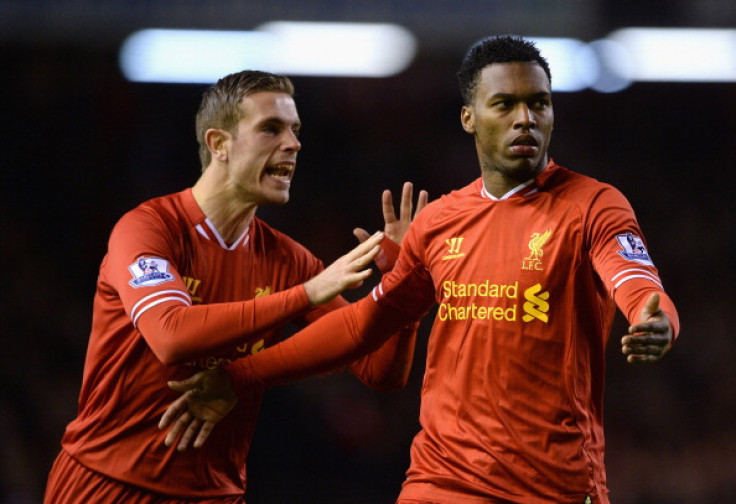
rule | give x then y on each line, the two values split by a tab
493	136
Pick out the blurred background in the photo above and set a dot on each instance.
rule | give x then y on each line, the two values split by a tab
85	144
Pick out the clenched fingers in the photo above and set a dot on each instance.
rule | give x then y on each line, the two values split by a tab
643	348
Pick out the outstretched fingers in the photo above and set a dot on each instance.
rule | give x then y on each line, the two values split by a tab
406	207
175	409
365	249
204	433
178	410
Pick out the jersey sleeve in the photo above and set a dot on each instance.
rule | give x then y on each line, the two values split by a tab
389	253
621	258
141	267
402	298
388	367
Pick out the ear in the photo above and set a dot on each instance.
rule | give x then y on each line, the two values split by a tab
467	119
216	140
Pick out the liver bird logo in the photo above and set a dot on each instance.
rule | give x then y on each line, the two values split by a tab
536	243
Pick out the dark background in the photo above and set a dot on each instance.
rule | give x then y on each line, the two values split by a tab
83	146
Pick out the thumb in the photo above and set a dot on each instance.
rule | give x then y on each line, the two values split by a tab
651	308
361	234
184	385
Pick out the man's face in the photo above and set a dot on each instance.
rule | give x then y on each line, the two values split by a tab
511	118
262	156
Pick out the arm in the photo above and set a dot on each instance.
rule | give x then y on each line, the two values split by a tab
177	333
625	266
341	336
334	340
197	410
388	367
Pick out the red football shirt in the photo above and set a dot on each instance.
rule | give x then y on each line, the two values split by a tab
173	298
527	286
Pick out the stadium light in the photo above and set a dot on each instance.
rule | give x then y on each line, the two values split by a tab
191	56
340	49
678	55
574	65
381	50
291	48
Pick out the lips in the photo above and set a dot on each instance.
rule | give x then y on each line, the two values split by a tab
525	140
524	146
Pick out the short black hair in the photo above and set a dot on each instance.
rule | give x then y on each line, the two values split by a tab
497	49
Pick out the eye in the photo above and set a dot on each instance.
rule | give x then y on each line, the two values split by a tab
540	104
502	104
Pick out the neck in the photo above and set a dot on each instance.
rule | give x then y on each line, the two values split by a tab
230	216
499	182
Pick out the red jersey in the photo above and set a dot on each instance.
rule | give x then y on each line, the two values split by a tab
172	298
527	285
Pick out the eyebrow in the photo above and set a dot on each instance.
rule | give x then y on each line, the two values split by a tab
541	94
279	121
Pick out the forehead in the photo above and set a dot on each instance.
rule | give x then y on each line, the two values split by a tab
264	105
515	78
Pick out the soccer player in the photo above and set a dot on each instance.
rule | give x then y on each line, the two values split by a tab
527	265
194	280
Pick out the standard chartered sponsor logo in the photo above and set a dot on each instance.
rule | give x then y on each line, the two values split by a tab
536	305
452	289
455	305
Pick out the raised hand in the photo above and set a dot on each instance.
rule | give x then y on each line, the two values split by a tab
347	272
651	338
206	398
396	228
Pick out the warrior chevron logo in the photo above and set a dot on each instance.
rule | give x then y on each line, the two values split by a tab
453	248
536	305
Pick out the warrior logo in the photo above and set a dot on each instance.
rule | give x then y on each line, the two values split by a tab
453	248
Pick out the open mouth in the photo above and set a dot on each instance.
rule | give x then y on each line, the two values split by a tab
280	171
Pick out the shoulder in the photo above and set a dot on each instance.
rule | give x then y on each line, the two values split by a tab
452	203
579	188
154	215
162	205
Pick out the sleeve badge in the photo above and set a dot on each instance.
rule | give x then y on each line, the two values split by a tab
150	271
633	249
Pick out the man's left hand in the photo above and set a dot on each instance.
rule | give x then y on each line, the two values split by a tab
651	338
206	398
396	228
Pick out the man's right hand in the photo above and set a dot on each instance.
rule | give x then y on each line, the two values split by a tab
347	272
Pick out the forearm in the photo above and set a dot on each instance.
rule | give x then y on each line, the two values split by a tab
179	333
330	343
388	367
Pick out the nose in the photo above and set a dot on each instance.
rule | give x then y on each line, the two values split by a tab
524	118
291	142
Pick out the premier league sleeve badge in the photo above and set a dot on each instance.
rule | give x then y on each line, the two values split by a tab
150	271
